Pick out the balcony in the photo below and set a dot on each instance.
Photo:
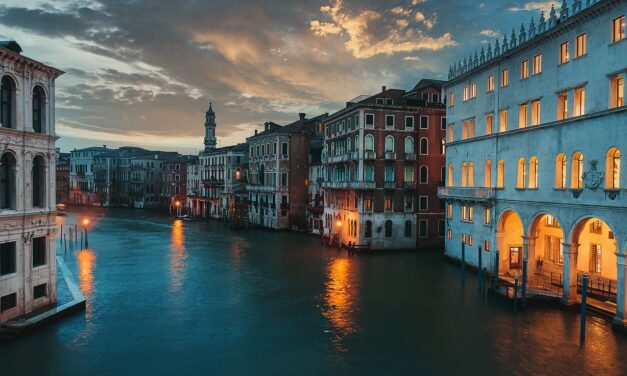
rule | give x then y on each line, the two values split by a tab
212	182
349	184
389	185
390	156
370	155
261	188
467	194
409	185
340	158
409	156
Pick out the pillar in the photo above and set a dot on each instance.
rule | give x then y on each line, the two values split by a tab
569	279
621	289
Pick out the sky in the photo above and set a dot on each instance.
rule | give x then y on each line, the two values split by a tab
142	72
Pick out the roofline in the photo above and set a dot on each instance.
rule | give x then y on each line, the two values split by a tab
33	62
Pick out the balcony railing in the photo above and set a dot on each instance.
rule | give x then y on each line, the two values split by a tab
370	155
340	158
467	193
390	155
349	184
389	185
410	156
262	188
408	185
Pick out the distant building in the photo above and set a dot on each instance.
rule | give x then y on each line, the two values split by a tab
82	178
315	191
63	177
278	173
194	189
27	183
384	160
174	184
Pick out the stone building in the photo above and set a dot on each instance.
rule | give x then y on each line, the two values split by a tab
82	178
194	189
535	143
173	187
384	160
27	183
315	191
278	173
62	177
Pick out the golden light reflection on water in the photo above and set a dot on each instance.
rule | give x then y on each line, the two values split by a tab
178	255
86	264
340	298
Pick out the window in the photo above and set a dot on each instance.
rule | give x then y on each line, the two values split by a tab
7	258
490	83
537	64
486	245
424	122
489	120
409	122
450	175
409	174
595	258
618	28
522	115
389	121
442	123
284	179
451	99
368	230
40	291
503	121
409	202
380	101
388	201
617	91
504	77
368	203
564	53
389	173
580	48
560	171
577	171
284	149
423	203
435	98
409	145
533	173
450	133
408	226
388	229
443	146
612	169
488	174
487	216
38	182
7	102
467	213
441	228
500	174
424	174
470	240
39	251
464	174
471	174
449	211
389	144
423	228
369	143
449	234
424	146
522	173
464	129
466	93
524	69
369	120
562	106
38	109
580	101
8	301
535	112
7	181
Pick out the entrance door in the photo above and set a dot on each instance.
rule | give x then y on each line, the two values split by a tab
515	257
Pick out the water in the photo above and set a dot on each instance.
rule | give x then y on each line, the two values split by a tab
172	297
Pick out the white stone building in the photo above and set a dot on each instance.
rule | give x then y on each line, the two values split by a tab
27	183
82	177
536	128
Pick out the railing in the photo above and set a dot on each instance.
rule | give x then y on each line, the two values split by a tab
600	288
262	188
339	158
349	184
467	193
389	185
409	185
370	155
410	156
390	155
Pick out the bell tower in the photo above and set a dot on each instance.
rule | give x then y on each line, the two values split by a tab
210	129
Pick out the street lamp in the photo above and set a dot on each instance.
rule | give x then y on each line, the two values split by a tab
178	208
85	222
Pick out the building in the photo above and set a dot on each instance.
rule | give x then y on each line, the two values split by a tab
62	177
315	191
174	184
278	173
145	178
194	189
27	183
534	182
82	178
384	160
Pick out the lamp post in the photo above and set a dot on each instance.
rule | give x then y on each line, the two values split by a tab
85	224
338	224
463	258
178	208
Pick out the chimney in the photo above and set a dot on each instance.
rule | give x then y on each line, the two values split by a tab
255	132
383	88
302	116
104	146
266	125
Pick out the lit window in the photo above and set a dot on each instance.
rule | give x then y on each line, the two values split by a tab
488	124
580	49
613	169
503	121
450	175
504	77
564	53
465	130
451	99
522	115
487	216
490	84
473	90
466	95
535	112
560	171
579	107
470	240
524	69
500	176
522	173
449	234
488	174
618	28
471	128
464	174
533	173
617	91
537	64
562	106
449	211
486	245
388	203
595	258
577	171
450	133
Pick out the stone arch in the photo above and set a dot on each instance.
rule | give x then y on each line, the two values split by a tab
510	230
546	238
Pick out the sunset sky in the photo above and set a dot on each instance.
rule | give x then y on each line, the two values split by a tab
142	72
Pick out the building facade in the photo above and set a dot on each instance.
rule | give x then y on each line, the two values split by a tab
62	178
82	178
534	149
223	173
384	160
27	183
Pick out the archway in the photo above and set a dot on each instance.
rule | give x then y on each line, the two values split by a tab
509	242
546	251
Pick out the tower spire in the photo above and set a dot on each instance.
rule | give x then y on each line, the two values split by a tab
210	129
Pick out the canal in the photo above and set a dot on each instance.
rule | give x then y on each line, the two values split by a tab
173	297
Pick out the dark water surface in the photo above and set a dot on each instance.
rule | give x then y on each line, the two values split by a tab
172	297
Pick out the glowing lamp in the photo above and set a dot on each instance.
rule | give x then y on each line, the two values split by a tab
85	221
178	203
338	223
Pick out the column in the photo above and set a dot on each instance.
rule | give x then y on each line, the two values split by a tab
621	288
525	268
570	274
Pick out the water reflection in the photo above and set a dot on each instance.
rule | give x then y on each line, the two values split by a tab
86	263
178	255
340	298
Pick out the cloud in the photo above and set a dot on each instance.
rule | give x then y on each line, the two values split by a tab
537	5
411	58
489	33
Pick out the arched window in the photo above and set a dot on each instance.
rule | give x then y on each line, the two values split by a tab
7	102
522	173
369	143
39	182
409	145
368	230
389	144
577	171
449	176
560	171
424	174
488	174
424	146
443	146
38	109
7	181
464	174
450	133
388	229
612	163
500	174
408	227
533	173
471	174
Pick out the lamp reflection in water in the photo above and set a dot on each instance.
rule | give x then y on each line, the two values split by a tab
178	255
340	298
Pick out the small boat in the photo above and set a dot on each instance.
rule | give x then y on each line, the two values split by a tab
188	218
